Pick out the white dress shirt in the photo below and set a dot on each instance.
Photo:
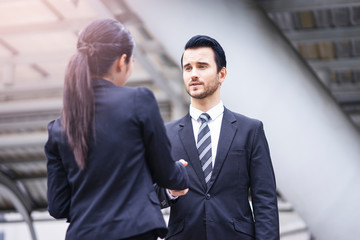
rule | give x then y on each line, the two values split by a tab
216	115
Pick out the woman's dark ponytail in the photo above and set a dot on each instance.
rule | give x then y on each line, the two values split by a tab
78	106
99	45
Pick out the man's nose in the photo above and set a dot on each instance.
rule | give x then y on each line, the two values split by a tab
194	73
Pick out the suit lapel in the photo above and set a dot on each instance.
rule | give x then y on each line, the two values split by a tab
186	134
227	133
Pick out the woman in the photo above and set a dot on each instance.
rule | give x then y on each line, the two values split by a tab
109	146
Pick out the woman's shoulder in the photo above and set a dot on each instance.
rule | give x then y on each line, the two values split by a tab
134	90
143	92
54	132
54	125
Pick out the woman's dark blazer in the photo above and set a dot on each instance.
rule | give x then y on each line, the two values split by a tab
113	197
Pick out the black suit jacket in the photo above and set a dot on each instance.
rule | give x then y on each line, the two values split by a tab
113	197
242	165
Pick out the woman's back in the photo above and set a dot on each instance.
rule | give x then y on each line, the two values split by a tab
113	196
109	146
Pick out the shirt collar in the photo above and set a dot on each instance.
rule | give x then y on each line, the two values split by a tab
100	83
214	112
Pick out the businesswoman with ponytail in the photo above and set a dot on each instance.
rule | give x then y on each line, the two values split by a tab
109	145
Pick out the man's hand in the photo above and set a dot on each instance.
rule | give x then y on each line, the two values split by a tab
178	193
185	163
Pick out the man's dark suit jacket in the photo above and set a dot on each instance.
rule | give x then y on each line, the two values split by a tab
113	197
223	212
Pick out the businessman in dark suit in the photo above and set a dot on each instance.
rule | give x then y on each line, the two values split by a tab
228	159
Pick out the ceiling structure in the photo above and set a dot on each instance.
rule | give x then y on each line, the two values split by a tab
326	34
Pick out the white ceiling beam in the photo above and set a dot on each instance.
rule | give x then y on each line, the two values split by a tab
40	57
64	25
332	34
53	9
347	97
27	93
344	87
100	9
303	5
23	139
338	64
355	118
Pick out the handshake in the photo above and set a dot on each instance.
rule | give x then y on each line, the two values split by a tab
178	193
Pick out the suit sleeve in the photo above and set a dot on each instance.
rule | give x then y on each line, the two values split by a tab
263	188
163	195
165	171
58	191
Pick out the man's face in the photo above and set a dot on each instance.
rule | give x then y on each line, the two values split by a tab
200	74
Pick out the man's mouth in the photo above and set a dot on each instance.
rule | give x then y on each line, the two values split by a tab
194	84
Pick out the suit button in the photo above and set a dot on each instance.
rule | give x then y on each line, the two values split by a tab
207	196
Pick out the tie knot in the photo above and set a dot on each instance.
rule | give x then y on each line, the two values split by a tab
204	117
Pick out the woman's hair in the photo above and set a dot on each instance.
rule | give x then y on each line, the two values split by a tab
99	45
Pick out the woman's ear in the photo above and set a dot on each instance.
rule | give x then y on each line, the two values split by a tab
121	63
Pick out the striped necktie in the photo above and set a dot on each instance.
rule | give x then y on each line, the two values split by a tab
204	147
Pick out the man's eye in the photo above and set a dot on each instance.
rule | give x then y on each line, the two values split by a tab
187	68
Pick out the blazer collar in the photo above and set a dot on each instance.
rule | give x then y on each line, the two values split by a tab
101	83
186	135
227	133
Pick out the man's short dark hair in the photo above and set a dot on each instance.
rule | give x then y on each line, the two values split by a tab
206	41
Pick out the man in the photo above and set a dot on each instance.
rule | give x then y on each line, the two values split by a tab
228	158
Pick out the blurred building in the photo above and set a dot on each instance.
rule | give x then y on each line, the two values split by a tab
287	59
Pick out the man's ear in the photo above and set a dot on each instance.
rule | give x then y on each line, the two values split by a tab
222	75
